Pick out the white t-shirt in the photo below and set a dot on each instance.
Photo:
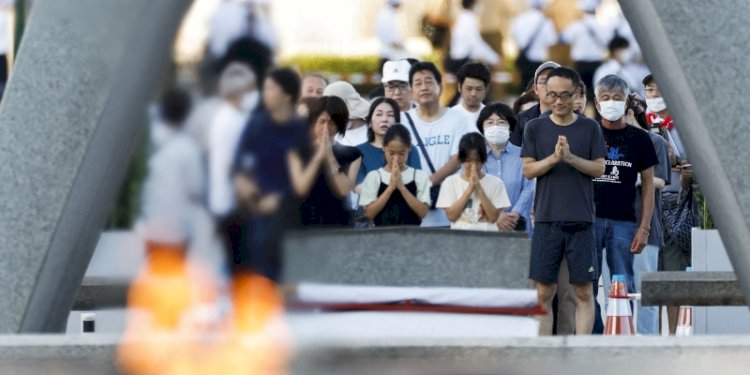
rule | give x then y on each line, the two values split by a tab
353	137
371	184
440	138
173	188
452	189
471	117
223	138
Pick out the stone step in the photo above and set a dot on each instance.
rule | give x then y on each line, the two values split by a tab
691	288
408	257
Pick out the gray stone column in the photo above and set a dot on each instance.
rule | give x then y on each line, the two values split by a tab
69	123
697	51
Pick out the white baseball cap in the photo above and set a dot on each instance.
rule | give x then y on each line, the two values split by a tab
546	65
358	106
396	71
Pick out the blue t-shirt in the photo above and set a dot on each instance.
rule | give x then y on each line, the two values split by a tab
263	147
373	158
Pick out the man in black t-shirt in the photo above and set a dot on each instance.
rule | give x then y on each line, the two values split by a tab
563	151
629	153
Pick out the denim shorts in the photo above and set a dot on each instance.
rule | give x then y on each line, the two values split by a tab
554	240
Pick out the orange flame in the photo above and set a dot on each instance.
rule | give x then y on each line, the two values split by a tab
174	327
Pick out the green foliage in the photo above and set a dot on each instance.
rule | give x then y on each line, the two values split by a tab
342	65
707	221
126	207
333	64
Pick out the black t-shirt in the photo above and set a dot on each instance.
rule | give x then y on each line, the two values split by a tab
629	151
262	150
563	193
322	207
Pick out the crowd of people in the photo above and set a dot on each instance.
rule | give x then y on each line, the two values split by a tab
288	151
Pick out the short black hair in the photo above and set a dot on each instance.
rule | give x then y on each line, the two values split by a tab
526	97
638	105
468	4
497	108
425	66
175	106
412	60
335	107
474	70
397	131
378	101
649	79
616	43
472	142
567	73
582	87
288	80
250	51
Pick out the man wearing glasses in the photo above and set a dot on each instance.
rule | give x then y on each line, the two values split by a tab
540	81
564	151
396	83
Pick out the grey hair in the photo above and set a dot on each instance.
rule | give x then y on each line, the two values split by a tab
612	83
236	78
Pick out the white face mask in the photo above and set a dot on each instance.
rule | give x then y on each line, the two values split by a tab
612	110
497	135
656	104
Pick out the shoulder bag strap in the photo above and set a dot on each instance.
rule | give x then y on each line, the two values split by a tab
419	142
534	36
593	35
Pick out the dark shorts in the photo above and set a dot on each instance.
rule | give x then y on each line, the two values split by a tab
573	240
672	258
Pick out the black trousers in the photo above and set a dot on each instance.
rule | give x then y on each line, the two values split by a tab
527	69
586	70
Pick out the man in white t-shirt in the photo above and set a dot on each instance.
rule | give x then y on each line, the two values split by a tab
473	85
356	130
438	128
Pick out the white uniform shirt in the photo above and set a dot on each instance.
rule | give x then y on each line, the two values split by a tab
229	22
627	72
387	30
523	28
587	45
223	138
6	32
466	40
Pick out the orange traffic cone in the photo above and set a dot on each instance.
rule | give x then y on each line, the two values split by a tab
619	315
685	318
